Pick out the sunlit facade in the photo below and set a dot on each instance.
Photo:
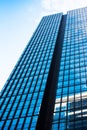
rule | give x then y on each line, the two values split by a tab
70	110
47	90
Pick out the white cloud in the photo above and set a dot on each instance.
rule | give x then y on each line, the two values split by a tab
52	6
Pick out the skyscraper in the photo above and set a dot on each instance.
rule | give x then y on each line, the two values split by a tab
47	90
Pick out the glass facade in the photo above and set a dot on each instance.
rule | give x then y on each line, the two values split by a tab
22	95
70	110
61	38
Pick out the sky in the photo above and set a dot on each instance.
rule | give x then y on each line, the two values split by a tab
18	21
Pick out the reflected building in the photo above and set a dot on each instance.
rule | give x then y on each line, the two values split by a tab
72	114
47	89
77	115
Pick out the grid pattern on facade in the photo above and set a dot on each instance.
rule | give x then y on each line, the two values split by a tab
23	92
70	110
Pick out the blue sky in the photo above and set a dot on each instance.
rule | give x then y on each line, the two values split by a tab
18	20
